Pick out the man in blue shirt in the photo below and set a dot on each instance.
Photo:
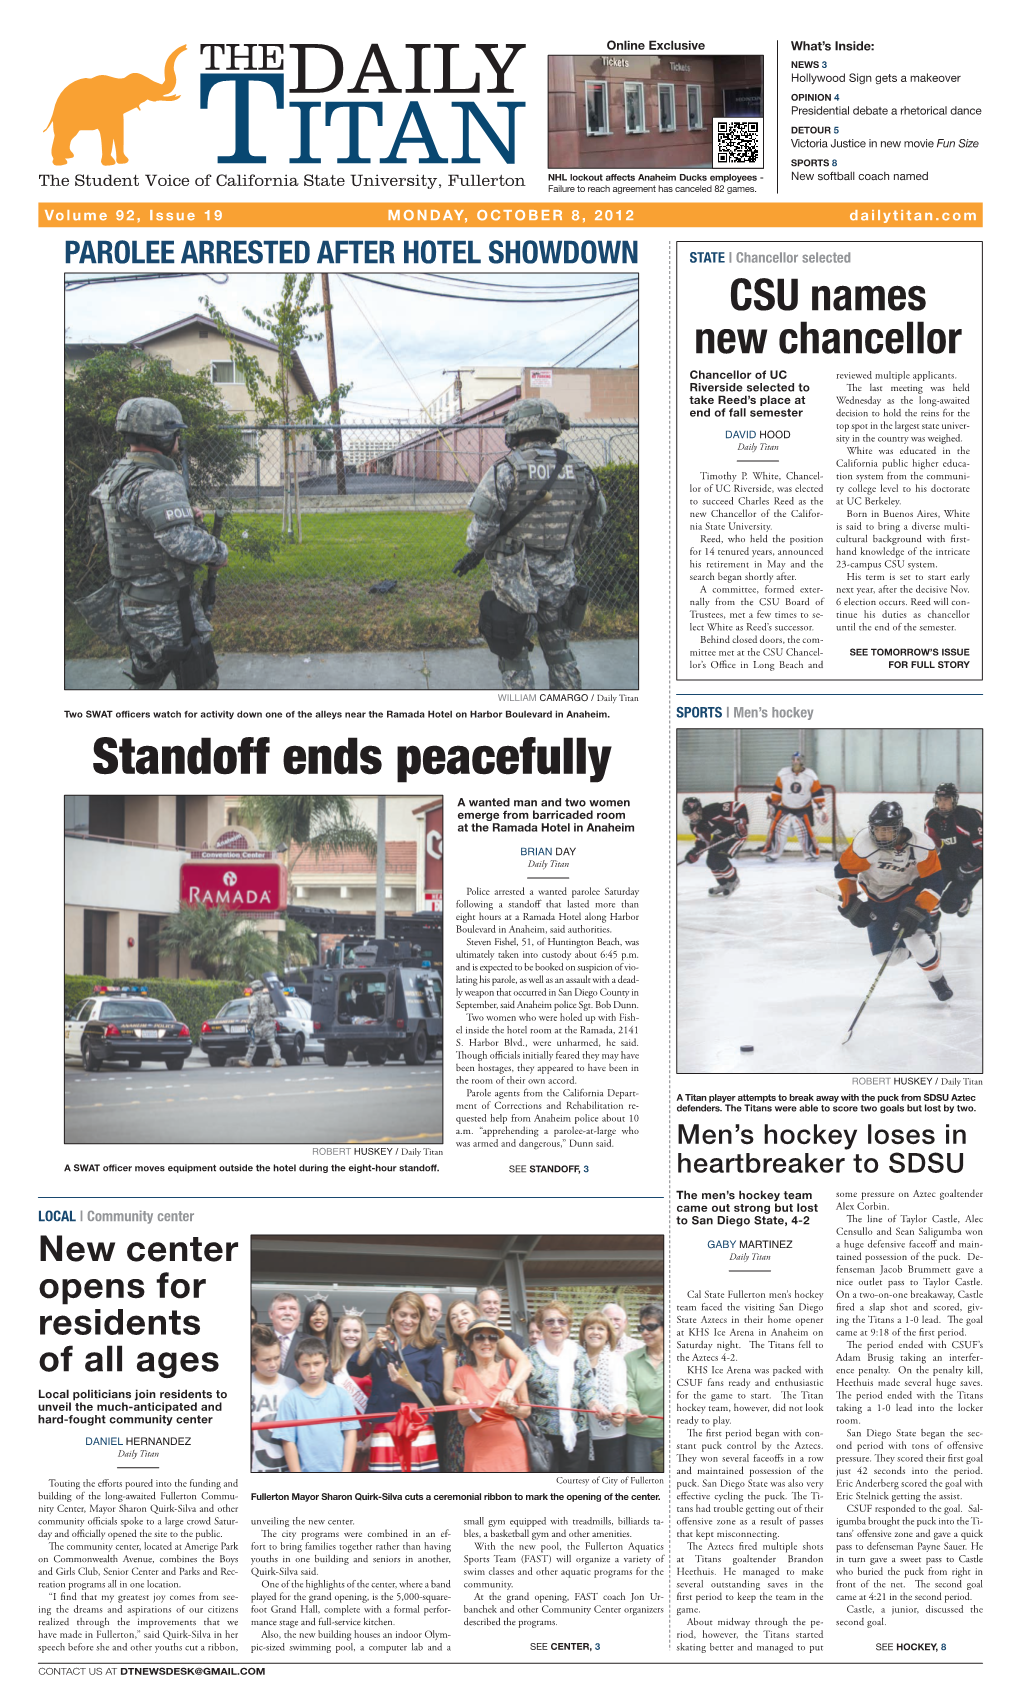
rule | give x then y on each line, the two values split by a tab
324	1445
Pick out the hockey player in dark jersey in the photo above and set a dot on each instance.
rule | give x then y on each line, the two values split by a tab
956	832
889	880
721	829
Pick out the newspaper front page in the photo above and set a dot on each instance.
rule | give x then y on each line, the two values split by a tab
564	458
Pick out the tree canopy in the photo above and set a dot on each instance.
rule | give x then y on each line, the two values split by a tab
220	944
318	825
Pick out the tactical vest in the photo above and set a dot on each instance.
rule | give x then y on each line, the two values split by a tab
133	550
551	526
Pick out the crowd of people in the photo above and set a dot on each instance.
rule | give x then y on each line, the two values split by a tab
594	1392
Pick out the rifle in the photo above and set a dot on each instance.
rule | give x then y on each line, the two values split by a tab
208	597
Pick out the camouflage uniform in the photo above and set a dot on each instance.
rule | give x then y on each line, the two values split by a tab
263	1026
533	565
141	512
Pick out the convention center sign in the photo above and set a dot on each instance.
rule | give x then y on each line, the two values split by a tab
234	885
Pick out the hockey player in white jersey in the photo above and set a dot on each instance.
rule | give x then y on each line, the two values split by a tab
796	801
889	880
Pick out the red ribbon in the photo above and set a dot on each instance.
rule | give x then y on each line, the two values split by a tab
377	1416
410	1420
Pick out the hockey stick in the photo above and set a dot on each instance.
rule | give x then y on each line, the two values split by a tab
897	937
729	846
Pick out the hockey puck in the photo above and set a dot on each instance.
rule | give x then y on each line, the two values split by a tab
747	1047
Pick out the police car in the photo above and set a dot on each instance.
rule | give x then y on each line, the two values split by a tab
123	1024
227	1034
301	1009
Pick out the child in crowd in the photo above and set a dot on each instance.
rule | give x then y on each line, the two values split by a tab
268	1387
323	1446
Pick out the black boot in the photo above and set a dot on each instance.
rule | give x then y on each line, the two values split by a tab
942	990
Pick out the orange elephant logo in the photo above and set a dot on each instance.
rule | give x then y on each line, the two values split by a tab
99	103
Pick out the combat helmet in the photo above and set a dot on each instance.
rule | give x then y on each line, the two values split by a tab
148	416
533	415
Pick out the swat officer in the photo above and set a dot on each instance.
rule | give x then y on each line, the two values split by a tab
140	510
262	1017
530	511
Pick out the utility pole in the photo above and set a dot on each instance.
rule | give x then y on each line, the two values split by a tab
380	867
334	405
458	386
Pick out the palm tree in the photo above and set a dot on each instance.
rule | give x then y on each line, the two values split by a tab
295	946
220	944
324	826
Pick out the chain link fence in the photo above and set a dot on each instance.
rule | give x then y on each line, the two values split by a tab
347	541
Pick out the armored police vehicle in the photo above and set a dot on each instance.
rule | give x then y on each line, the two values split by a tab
385	1003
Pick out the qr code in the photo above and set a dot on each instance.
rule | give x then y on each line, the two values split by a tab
737	141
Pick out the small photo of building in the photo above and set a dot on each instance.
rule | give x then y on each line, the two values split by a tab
618	110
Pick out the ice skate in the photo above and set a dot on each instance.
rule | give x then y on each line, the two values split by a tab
943	991
724	889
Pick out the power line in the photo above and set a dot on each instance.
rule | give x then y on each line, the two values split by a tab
73	283
373	327
632	326
564	319
509	300
564	358
625	280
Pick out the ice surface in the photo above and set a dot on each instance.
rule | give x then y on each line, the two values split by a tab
774	966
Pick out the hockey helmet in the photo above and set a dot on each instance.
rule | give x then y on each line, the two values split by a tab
888	815
148	416
691	806
946	792
533	415
794	759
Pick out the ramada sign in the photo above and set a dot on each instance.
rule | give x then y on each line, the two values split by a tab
234	885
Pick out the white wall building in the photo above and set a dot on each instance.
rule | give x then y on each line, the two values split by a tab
477	384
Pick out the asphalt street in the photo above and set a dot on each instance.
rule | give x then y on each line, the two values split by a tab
199	1105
